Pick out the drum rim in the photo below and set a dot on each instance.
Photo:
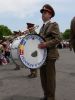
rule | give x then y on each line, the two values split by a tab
37	35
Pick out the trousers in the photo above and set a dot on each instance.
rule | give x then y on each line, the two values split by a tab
48	79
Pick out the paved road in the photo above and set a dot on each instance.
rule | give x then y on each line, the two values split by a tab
15	85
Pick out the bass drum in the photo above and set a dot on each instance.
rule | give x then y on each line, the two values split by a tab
15	51
29	53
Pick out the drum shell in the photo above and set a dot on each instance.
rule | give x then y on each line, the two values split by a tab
15	51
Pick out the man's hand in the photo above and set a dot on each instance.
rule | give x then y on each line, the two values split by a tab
42	45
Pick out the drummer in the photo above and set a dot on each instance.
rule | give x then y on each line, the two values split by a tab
50	32
30	27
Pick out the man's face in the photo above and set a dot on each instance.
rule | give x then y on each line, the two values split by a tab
31	29
46	16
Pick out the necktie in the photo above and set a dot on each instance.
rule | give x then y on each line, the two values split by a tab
43	25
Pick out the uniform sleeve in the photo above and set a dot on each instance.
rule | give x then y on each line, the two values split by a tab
55	33
72	29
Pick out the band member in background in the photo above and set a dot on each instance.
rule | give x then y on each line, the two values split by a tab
50	32
6	48
72	33
30	27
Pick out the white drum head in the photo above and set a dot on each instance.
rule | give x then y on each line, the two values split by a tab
30	55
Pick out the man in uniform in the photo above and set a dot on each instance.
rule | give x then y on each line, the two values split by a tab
72	33
30	27
50	32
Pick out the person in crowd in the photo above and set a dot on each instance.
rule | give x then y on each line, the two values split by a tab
1	54
6	46
3	59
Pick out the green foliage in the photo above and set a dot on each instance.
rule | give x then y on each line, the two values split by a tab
61	36
4	31
66	34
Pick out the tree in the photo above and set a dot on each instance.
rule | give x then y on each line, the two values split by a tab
66	34
4	31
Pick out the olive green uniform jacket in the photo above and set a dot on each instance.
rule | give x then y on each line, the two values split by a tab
50	32
72	33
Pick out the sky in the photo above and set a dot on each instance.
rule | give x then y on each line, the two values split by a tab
16	13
